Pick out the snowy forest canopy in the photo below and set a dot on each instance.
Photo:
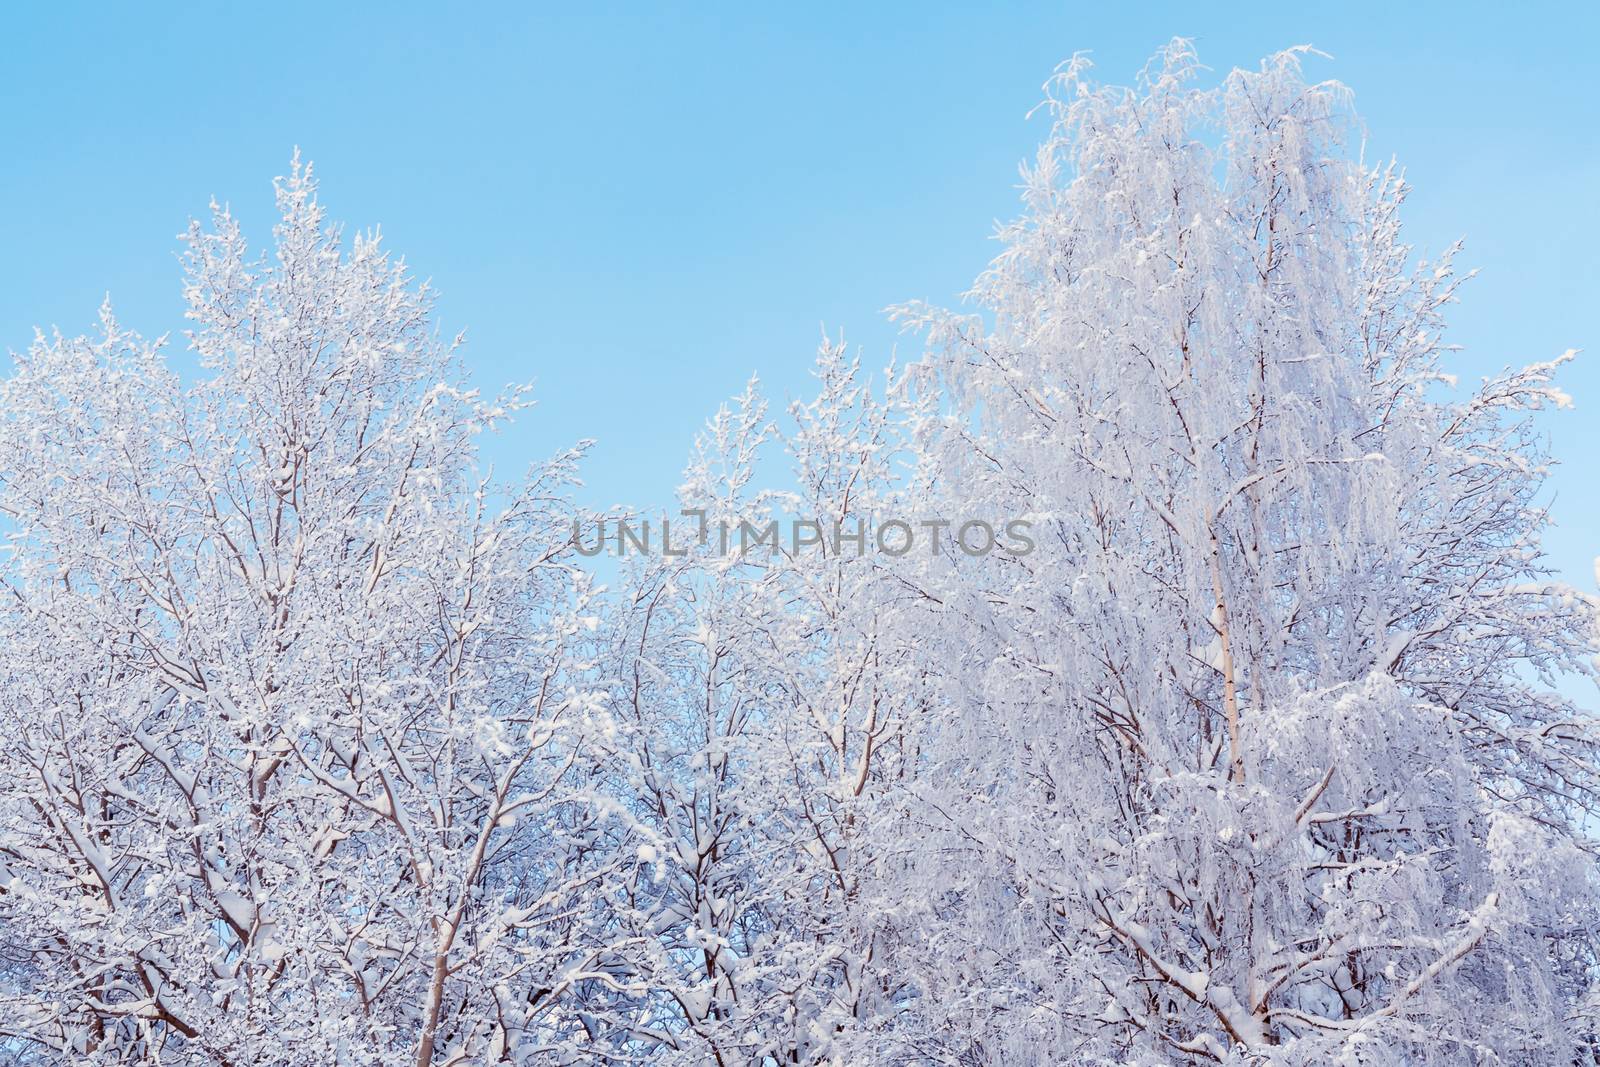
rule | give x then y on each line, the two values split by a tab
323	749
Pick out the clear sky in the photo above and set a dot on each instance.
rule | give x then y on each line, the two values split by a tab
639	208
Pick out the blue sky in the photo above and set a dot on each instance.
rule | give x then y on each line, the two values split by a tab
639	208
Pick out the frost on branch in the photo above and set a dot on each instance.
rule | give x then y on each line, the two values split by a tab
297	730
1259	758
321	751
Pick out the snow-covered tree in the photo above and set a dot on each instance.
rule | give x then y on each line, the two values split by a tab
321	747
1260	757
298	733
773	694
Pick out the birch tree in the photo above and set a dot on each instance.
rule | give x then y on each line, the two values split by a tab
1261	758
774	698
298	730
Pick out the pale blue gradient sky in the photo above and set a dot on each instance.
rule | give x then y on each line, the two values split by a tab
640	209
